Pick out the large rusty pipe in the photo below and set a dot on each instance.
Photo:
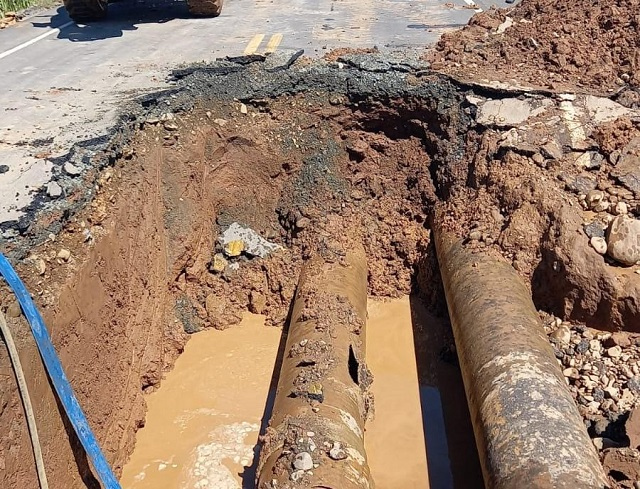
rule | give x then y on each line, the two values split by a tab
527	428
315	434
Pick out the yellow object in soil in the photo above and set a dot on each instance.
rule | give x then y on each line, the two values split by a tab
219	263
234	248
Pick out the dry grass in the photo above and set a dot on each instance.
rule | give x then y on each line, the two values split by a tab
17	5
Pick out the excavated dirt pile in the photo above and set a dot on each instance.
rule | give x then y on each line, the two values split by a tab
212	195
586	44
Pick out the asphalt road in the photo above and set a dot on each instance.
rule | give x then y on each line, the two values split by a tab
63	82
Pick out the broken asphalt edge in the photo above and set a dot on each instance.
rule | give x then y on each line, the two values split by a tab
359	77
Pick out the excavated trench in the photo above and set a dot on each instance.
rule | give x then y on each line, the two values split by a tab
365	156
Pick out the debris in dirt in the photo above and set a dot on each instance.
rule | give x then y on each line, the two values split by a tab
54	190
600	375
552	150
237	239
303	461
38	263
556	45
71	169
220	122
627	169
599	244
374	63
64	254
336	452
234	248
170	126
623	240
219	263
3	169
562	334
14	310
632	428
243	109
507	112
579	184
282	59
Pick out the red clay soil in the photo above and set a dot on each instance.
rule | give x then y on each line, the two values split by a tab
139	273
584	44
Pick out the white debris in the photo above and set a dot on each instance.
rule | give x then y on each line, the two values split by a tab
254	244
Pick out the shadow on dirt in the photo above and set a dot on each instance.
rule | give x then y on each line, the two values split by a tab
123	16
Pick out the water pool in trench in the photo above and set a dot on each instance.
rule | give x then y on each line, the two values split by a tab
202	425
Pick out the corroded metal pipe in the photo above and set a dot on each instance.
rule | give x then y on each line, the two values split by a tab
527	428
316	430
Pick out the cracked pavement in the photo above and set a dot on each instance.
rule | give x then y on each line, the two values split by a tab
65	83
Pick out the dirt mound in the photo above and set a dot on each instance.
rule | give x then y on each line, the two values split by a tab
588	44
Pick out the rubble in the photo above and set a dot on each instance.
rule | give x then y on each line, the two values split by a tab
238	239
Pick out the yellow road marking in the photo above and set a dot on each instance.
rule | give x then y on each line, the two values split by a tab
253	44
273	43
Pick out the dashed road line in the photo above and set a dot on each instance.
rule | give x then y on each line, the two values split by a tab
254	44
34	40
273	43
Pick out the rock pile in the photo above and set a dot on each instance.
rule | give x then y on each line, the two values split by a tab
603	373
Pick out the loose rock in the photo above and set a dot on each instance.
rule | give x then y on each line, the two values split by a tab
40	265
594	197
54	190
621	208
580	184
623	241
14	310
551	150
562	335
336	452
303	461
594	230
64	254
71	169
614	351
599	244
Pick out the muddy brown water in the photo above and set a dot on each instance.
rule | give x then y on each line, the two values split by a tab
203	423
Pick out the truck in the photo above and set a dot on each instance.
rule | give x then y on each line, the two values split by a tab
92	10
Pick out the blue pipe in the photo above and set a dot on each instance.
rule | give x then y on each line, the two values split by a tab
58	378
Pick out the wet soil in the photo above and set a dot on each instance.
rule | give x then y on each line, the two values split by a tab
202	425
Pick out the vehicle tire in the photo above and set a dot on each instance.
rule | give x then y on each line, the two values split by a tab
86	10
205	8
